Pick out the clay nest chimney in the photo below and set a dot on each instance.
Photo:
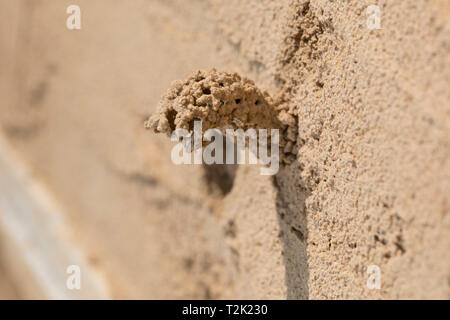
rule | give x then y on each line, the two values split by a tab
223	100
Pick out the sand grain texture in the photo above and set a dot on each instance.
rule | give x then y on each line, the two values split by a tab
368	176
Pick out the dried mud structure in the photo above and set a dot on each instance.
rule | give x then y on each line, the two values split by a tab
364	125
221	100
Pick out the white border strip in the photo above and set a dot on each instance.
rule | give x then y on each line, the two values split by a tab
34	224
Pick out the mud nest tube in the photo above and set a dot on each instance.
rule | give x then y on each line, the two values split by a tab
221	100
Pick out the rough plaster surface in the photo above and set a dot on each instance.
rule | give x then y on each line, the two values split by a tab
368	183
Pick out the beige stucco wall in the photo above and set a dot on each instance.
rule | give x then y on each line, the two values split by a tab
369	185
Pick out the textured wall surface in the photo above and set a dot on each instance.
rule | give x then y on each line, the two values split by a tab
369	181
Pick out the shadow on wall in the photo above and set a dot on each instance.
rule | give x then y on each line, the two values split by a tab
291	214
221	176
290	204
